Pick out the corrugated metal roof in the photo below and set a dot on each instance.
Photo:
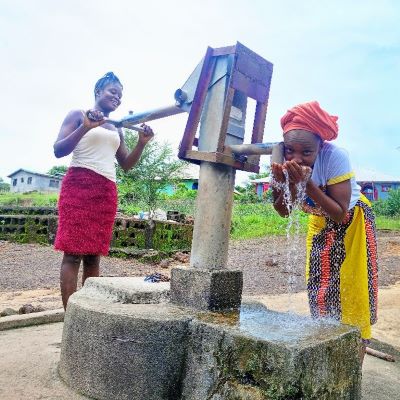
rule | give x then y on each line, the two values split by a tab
56	176
261	180
362	175
371	175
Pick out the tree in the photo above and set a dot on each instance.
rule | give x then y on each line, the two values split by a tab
57	169
248	193
389	207
4	187
143	184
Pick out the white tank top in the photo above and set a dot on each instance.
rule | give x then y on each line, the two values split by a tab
96	151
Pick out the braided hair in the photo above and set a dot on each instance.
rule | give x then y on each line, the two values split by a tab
108	78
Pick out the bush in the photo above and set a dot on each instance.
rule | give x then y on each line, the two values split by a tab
380	207
248	196
154	171
129	209
389	207
393	203
182	192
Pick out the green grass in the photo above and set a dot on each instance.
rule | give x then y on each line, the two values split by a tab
391	223
258	220
28	199
248	220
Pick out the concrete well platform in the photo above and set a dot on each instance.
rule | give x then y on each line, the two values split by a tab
153	350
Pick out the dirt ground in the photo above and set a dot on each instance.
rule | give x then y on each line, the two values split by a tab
29	273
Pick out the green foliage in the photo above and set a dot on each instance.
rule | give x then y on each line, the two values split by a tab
185	206
32	199
380	207
182	200
267	196
389	207
57	169
247	194
130	209
264	174
393	203
182	192
143	184
4	187
391	223
251	220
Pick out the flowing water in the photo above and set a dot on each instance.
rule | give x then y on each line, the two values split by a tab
265	324
293	206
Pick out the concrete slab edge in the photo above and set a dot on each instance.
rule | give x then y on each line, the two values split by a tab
39	318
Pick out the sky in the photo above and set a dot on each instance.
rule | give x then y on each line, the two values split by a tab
346	55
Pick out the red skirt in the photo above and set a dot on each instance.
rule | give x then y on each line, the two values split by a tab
86	213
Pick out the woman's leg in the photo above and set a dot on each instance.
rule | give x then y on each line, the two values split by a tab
91	267
69	276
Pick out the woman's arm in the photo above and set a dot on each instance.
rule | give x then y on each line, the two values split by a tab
127	160
279	203
75	125
335	202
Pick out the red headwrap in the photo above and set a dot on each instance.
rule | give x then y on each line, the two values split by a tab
311	117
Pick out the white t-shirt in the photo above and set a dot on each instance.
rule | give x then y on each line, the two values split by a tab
331	166
96	151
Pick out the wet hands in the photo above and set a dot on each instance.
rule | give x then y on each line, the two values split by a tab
295	172
277	172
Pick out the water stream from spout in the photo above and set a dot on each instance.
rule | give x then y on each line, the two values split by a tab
293	203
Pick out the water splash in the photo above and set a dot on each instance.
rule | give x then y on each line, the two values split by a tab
293	203
265	324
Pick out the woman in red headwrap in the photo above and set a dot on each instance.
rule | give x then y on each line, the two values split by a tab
341	270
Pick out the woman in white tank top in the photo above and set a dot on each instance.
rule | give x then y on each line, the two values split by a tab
88	198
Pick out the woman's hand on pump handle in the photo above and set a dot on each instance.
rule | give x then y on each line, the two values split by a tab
93	118
146	135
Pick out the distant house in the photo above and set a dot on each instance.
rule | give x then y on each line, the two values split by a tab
24	181
376	185
190	178
261	185
191	184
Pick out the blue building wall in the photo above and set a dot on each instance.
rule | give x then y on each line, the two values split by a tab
261	188
189	183
372	190
378	190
